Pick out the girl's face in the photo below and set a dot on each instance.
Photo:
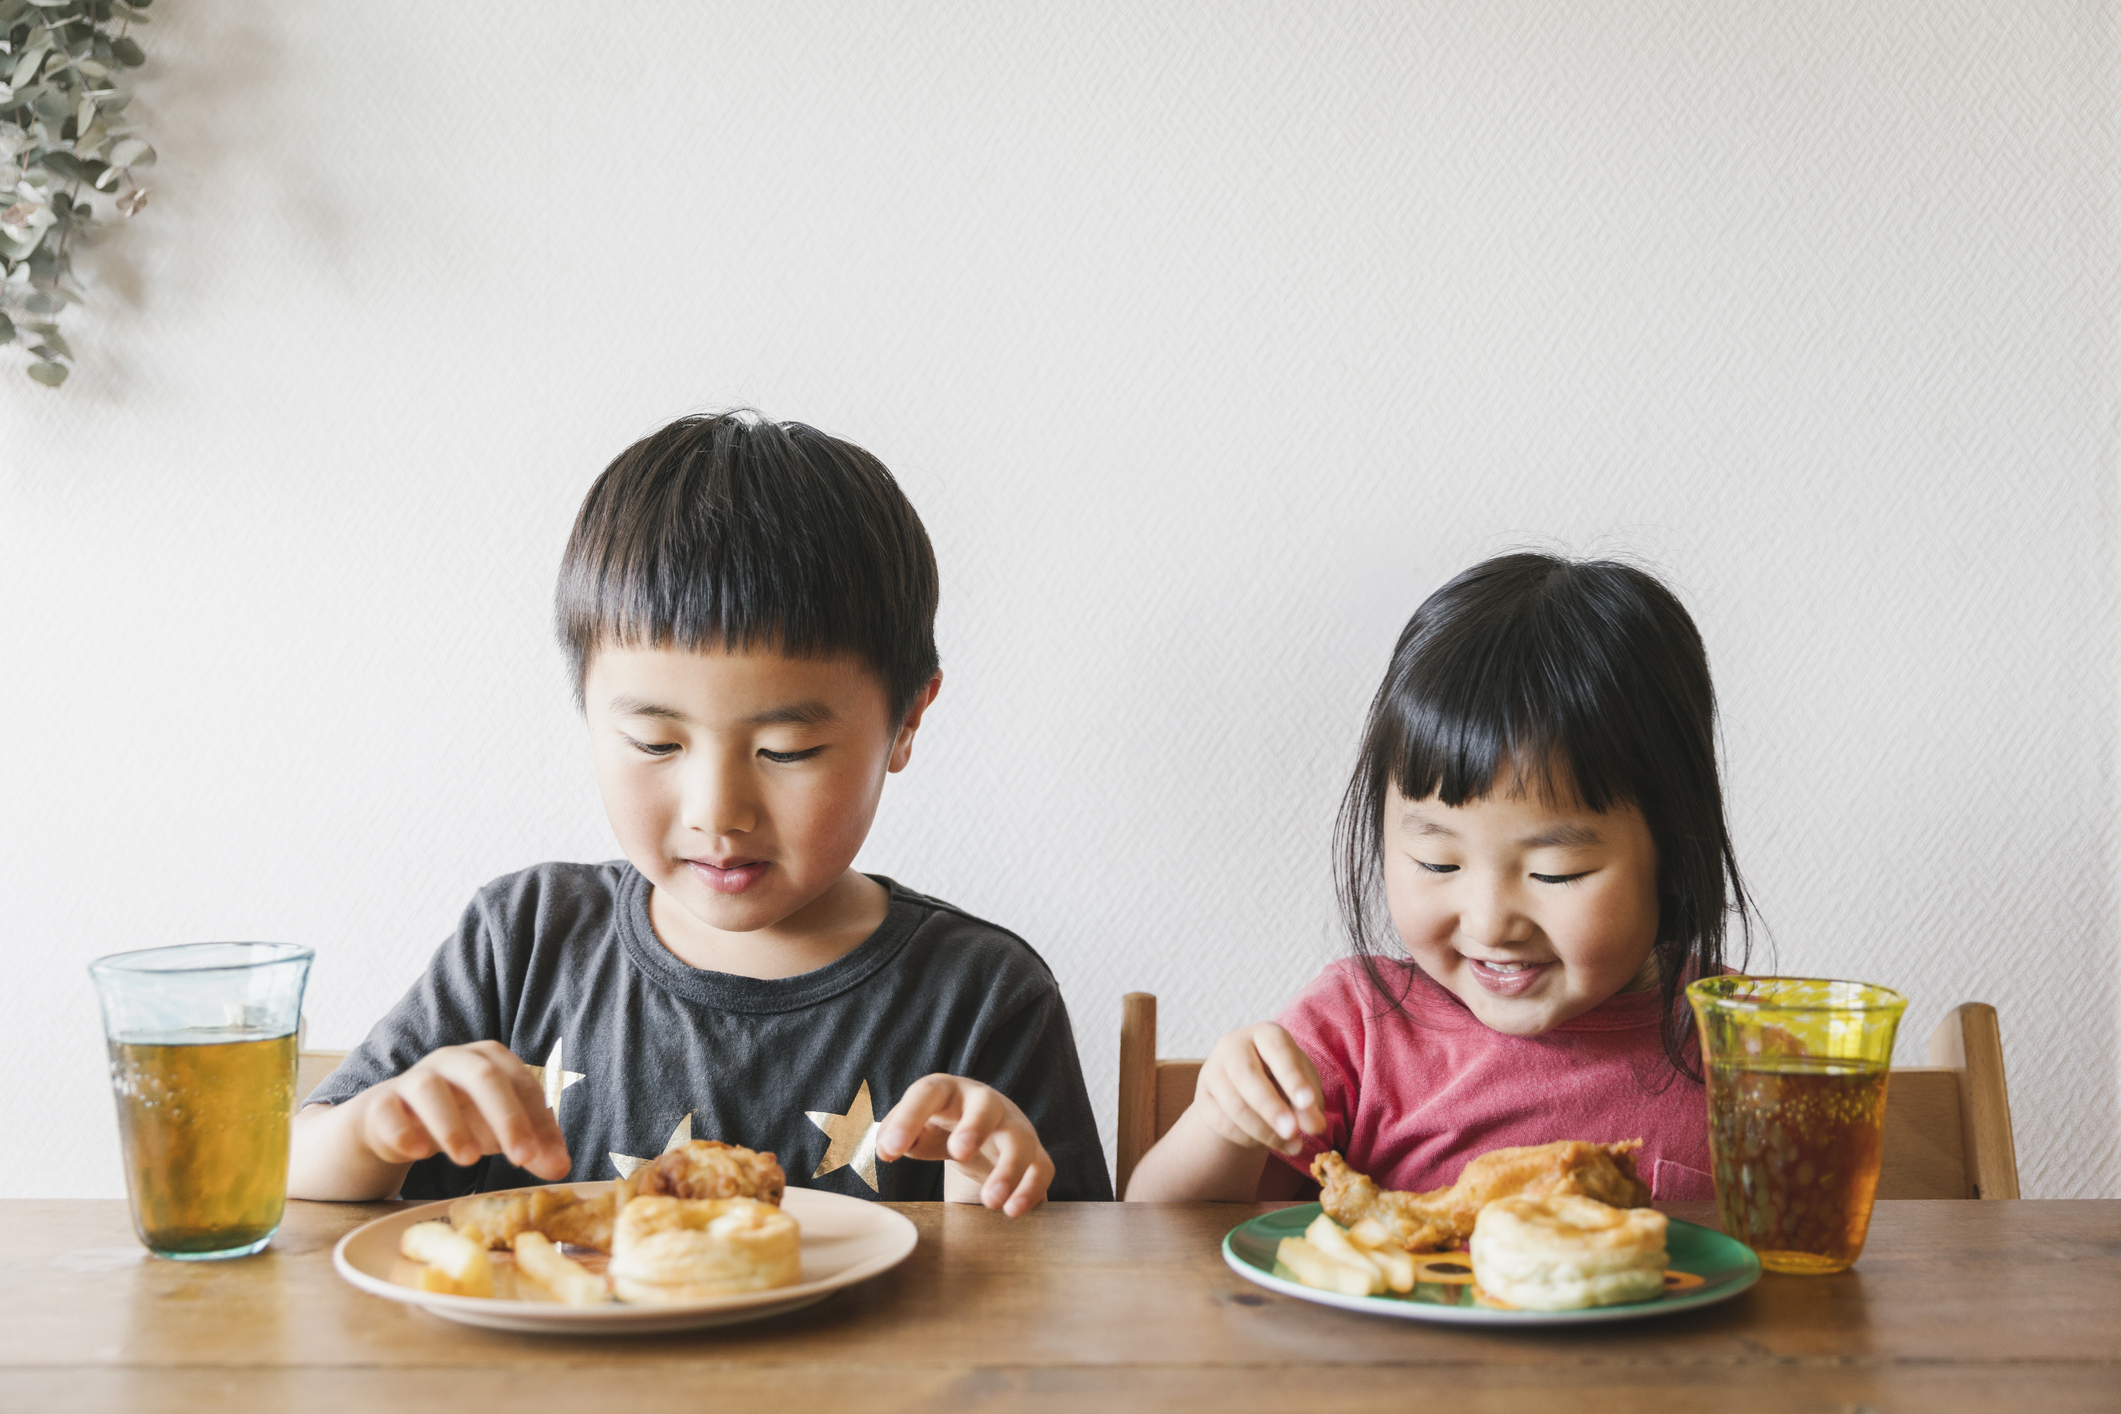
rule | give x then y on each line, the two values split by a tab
1530	912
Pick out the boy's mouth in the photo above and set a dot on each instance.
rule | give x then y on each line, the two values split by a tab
1507	979
733	877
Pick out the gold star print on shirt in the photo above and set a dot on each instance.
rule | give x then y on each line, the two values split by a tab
679	1138
554	1076
853	1137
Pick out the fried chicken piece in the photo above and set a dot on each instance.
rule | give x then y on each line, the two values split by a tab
708	1168
1430	1222
494	1219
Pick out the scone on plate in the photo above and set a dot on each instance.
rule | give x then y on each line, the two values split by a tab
1566	1253
668	1250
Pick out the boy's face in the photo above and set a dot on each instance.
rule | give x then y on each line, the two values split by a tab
741	784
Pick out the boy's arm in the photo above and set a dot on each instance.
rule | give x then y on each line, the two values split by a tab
463	1101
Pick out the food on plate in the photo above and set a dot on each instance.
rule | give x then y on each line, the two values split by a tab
454	1265
1362	1261
496	1219
570	1283
667	1250
1427	1222
707	1168
1563	1253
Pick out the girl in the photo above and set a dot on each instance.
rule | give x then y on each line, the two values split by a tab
1537	811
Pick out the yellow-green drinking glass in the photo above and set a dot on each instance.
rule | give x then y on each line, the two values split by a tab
1797	1071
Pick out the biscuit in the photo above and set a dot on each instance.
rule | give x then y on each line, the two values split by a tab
1565	1253
668	1250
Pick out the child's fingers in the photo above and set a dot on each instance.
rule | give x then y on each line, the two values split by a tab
1237	1112
1296	1077
433	1102
1021	1174
1031	1189
394	1133
905	1129
982	1114
508	1114
1259	1092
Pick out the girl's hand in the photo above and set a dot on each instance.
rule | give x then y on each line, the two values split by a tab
1257	1089
993	1152
463	1101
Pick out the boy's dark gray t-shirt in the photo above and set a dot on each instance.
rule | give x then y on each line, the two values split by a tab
559	963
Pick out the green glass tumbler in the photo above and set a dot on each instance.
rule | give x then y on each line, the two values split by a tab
1797	1070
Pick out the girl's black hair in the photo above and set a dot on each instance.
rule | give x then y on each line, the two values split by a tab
732	531
1536	665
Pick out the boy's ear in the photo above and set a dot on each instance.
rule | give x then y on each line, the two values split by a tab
902	748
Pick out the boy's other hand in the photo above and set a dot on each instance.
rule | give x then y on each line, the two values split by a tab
980	1131
1257	1089
465	1101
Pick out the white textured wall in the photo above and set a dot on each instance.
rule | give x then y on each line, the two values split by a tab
1208	339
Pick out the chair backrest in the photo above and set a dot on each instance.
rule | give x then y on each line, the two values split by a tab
1947	1124
310	1069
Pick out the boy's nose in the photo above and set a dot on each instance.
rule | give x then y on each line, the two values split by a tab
720	800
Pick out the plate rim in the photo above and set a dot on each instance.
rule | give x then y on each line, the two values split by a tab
1484	1315
552	1316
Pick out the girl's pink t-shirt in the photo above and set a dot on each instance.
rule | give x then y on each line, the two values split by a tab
1409	1099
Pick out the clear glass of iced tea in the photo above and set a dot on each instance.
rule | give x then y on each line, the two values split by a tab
202	1063
1796	1074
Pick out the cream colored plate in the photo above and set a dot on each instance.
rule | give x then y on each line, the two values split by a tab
845	1240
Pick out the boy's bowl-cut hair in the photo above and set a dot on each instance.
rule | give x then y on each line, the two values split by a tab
1533	673
732	532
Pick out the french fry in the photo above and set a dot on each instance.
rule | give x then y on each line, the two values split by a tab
451	1257
568	1280
1377	1243
1326	1272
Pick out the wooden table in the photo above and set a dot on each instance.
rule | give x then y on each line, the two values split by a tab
1955	1305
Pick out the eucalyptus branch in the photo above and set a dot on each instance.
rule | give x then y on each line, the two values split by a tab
60	133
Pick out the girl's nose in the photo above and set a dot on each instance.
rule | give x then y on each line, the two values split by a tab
1489	915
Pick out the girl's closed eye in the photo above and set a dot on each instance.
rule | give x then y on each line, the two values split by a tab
1564	878
651	748
1437	868
784	758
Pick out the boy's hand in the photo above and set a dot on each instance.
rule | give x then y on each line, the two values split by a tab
465	1101
979	1130
1257	1089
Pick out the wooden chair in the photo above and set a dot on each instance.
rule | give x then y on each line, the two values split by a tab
1947	1124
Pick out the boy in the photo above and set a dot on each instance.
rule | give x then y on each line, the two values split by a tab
748	609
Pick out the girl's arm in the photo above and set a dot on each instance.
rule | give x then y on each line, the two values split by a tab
1257	1089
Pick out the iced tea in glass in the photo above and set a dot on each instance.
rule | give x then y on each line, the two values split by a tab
202	1065
1797	1071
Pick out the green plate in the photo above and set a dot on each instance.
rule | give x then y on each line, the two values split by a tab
1724	1266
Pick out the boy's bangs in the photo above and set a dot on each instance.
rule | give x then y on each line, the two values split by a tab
732	533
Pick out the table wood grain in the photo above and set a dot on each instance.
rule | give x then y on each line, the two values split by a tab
1955	1305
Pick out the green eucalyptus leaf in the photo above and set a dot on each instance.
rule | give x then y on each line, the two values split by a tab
93	69
7	330
43	302
57	345
126	50
51	375
131	152
66	165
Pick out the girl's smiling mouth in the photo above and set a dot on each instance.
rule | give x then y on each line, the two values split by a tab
1507	979
733	877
